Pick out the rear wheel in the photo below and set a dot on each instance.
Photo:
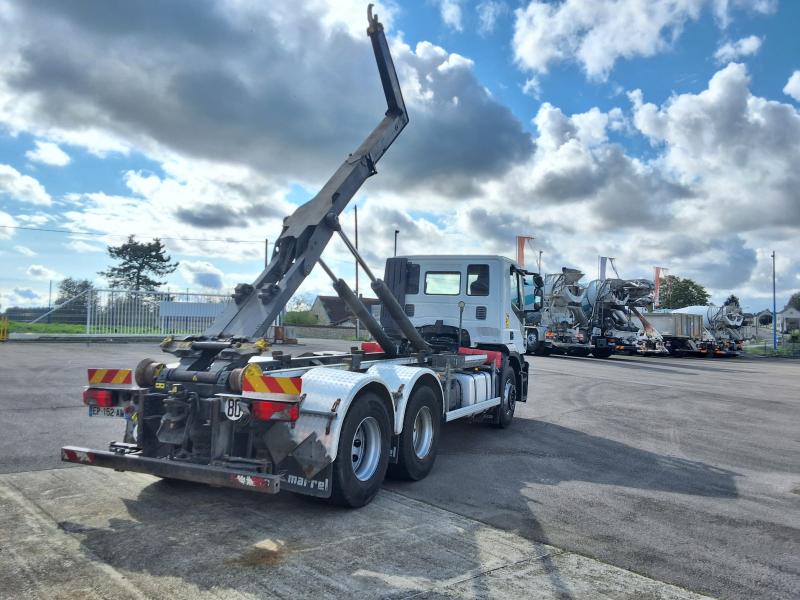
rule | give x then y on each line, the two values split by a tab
602	352
420	438
504	413
363	452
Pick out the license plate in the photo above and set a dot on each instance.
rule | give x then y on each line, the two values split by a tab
231	409
107	411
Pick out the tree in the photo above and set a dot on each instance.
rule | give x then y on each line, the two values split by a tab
794	301
70	288
765	319
300	302
678	293
139	263
732	300
300	317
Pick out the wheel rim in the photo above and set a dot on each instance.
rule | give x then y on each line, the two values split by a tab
533	339
365	451
510	396
423	432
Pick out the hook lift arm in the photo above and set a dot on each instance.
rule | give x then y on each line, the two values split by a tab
308	230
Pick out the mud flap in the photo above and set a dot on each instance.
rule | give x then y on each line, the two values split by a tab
319	485
304	467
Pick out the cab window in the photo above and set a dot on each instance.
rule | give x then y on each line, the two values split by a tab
443	283
515	289
478	280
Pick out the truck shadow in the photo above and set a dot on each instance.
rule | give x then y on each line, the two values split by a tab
219	541
704	364
287	546
550	454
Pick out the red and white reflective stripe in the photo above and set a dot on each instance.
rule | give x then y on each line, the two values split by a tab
110	377
78	456
257	385
249	481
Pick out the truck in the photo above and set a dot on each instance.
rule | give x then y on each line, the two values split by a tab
556	324
723	325
683	334
612	307
226	410
594	319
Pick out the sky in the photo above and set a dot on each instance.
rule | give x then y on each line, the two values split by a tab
662	133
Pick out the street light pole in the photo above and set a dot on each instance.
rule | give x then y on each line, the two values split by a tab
396	231
774	309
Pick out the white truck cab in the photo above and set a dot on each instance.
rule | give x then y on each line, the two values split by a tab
482	295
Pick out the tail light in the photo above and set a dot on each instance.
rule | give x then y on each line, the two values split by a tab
267	410
98	397
549	335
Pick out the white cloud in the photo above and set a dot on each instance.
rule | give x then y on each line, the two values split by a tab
792	87
48	153
41	272
740	150
202	274
24	250
450	11
598	33
83	247
8	221
39	218
22	188
743	47
20	297
488	13
532	87
209	97
722	8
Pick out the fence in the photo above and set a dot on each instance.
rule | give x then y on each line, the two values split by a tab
788	346
129	312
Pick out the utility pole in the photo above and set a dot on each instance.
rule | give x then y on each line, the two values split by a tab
266	252
358	321
774	309
539	262
396	231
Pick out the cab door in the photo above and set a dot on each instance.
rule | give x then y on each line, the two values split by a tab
514	329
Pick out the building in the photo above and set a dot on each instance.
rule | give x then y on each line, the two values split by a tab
788	319
331	310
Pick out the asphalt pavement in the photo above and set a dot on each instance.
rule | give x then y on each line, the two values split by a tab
621	478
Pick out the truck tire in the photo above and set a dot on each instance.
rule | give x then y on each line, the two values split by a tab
363	453
602	352
532	342
504	413
420	438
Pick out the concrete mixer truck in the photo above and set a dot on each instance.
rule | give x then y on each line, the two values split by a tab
683	334
612	307
561	325
723	324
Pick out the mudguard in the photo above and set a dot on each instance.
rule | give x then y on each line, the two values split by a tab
400	380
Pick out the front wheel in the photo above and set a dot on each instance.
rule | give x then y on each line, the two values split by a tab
532	340
363	452
504	413
420	438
